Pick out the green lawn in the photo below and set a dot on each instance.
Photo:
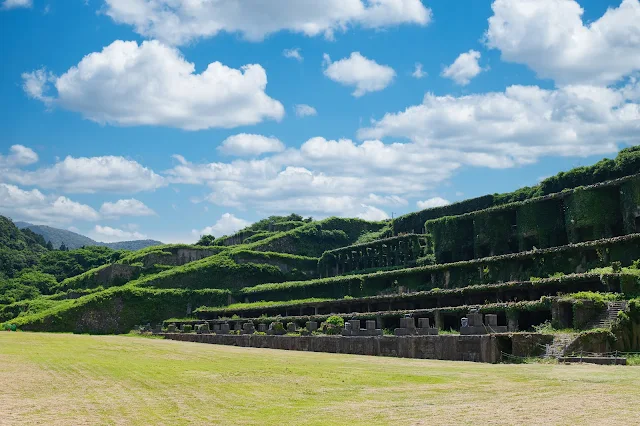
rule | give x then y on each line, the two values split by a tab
78	379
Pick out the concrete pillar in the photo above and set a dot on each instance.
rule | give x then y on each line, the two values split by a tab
439	320
512	321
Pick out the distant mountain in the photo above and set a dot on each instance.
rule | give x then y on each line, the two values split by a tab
74	240
131	245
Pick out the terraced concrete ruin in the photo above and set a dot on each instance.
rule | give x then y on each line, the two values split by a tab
479	274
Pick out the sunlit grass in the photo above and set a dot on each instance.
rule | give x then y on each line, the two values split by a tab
81	379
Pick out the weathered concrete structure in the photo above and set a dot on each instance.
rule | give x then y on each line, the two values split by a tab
115	273
605	210
474	324
397	251
449	347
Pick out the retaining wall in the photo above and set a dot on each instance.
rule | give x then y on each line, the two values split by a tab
447	347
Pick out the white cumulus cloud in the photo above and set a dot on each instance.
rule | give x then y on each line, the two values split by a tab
550	37
108	234
128	84
245	144
418	72
34	206
303	110
432	202
228	224
519	125
181	21
364	74
464	68
372	213
127	207
13	4
19	155
90	175
293	54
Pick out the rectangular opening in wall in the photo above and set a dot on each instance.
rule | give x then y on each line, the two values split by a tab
591	255
585	233
513	245
484	250
467	252
528	243
450	322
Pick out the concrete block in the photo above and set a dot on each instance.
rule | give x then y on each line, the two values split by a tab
248	328
312	326
262	328
371	324
491	320
292	327
424	323
407	323
224	328
475	319
346	331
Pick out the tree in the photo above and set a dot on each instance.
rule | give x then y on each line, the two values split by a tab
206	240
49	245
63	247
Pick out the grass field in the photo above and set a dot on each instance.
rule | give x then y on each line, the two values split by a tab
77	379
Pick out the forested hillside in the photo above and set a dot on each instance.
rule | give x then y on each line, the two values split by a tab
30	267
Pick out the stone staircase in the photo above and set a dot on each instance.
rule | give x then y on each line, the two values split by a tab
610	315
560	343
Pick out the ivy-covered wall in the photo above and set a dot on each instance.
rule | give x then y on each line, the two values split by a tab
541	225
591	214
389	252
494	233
578	215
287	263
452	238
569	259
630	205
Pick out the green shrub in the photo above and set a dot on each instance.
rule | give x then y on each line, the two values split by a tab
187	328
333	325
335	320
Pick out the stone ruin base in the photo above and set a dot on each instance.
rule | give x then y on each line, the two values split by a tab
479	348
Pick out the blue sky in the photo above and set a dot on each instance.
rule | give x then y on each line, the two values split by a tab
113	123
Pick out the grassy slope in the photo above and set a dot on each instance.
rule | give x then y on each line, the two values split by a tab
77	379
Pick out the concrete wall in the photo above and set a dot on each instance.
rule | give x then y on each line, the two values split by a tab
446	347
177	257
116	271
